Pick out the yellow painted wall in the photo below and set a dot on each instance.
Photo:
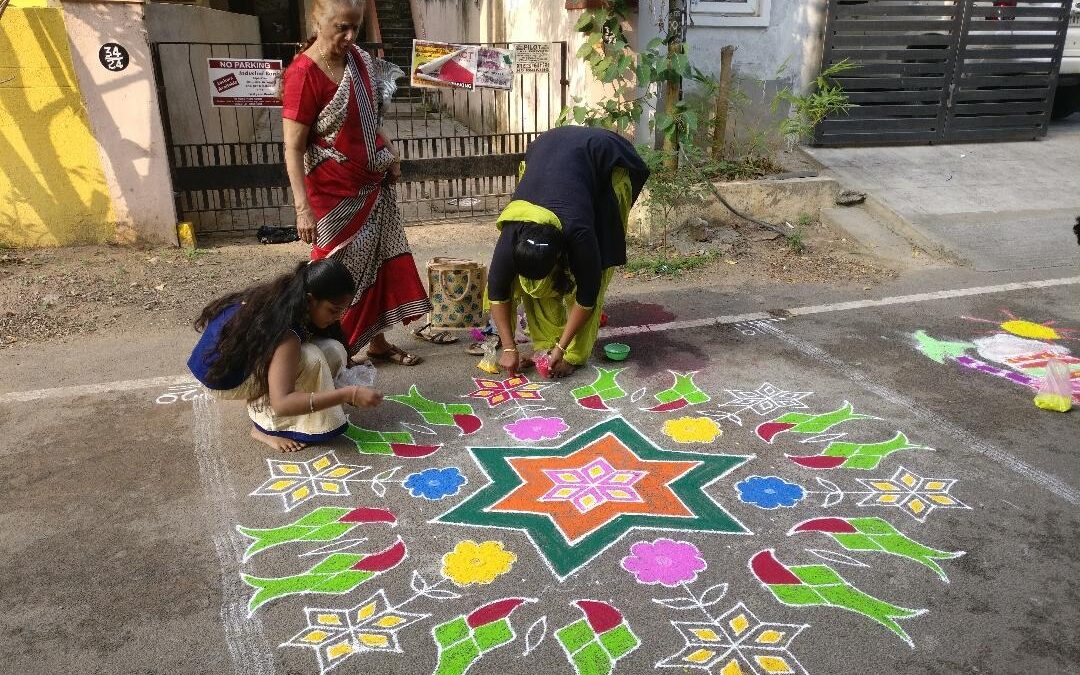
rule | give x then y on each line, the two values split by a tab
53	191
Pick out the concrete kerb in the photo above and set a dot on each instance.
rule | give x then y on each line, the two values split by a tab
771	200
915	233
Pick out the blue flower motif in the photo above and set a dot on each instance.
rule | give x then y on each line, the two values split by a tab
769	492
434	484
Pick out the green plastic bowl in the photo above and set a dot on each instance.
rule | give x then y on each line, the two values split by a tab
616	351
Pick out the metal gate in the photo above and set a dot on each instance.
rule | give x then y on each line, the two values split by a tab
460	150
939	71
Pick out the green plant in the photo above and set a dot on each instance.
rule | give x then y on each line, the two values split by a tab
635	77
808	110
804	220
664	265
194	254
670	188
796	241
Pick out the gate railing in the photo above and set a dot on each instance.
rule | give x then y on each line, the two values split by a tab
943	70
460	150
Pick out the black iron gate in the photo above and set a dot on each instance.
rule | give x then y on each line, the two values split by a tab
933	71
460	150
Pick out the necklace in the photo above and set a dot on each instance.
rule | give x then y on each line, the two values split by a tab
326	62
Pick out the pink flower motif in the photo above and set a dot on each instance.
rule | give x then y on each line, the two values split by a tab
664	562
537	428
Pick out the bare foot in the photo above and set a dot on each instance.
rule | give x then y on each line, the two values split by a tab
277	442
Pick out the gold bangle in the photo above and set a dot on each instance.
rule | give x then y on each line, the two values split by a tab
311	401
559	347
510	349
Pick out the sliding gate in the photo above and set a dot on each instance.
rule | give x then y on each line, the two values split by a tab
940	71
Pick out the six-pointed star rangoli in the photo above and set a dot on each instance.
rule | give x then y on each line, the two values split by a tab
668	492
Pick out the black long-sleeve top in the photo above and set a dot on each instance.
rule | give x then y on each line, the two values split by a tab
568	172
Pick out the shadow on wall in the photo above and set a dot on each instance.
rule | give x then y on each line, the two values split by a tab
128	159
57	190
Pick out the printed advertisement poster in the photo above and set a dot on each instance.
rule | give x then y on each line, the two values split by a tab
245	82
494	68
532	57
438	64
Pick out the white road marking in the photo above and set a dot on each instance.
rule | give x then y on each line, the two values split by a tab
727	319
840	306
93	389
934	421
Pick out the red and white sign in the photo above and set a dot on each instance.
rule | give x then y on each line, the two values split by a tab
245	83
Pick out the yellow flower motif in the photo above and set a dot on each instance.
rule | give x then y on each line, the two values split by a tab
472	563
692	430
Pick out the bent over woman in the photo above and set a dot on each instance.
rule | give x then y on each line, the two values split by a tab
277	346
560	239
341	167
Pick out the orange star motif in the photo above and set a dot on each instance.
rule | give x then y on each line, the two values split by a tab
656	497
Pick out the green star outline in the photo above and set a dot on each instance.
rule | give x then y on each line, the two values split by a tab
565	558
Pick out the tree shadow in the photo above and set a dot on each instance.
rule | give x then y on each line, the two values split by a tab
41	182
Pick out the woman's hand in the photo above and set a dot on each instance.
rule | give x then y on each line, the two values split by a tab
305	225
510	361
364	397
557	365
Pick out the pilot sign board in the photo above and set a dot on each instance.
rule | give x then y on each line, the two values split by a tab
245	82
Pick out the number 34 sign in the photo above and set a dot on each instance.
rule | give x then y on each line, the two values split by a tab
114	57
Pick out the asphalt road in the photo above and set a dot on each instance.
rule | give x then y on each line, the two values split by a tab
944	542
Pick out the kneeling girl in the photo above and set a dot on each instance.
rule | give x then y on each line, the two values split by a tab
279	346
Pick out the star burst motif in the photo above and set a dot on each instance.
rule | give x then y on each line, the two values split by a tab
664	490
913	494
761	401
298	482
338	634
737	642
497	392
592	485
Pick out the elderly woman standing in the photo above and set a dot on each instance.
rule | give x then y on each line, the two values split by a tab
341	168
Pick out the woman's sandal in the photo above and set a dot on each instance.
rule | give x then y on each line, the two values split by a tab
396	355
443	337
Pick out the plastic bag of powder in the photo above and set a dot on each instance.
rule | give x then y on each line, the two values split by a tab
1055	393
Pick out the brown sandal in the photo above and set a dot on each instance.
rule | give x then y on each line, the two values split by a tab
396	355
442	337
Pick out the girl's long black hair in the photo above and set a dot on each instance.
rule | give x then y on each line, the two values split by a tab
266	312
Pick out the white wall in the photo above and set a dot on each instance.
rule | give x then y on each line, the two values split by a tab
123	111
785	53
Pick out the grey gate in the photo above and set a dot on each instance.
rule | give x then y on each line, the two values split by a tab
933	71
460	150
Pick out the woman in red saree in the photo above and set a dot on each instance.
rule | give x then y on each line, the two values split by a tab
341	168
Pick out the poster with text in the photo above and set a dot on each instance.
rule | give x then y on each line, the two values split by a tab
494	68
245	82
438	64
532	57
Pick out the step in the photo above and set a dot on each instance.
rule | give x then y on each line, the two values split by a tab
876	236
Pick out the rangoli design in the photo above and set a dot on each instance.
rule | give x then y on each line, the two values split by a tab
1017	352
581	496
516	388
299	482
604	389
668	493
681	394
820	585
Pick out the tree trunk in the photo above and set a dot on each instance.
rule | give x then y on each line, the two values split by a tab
723	102
672	92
